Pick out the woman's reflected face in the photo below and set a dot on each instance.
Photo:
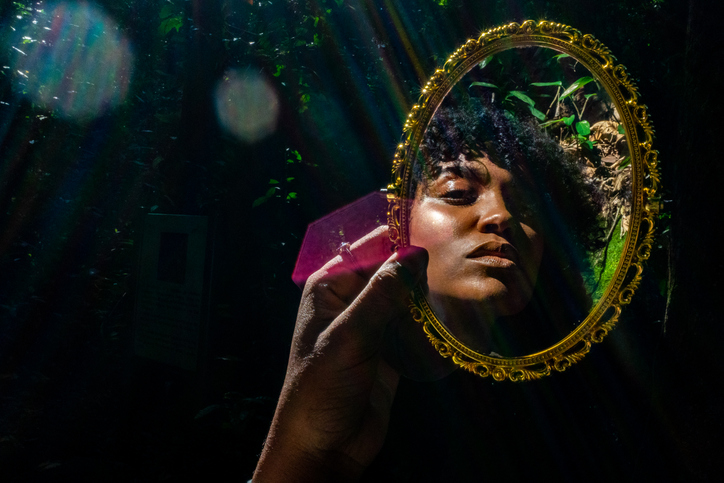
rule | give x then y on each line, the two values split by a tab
485	248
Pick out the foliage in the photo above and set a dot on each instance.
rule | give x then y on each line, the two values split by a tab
74	195
278	190
577	112
171	19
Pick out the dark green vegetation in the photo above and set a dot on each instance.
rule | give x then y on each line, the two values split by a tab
74	403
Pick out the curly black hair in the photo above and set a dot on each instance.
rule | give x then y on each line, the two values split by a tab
520	147
567	204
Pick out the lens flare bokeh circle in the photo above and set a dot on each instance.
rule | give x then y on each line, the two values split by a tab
247	105
73	58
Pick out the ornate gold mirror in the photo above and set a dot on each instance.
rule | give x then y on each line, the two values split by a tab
526	170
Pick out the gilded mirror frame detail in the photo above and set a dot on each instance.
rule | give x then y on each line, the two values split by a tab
598	59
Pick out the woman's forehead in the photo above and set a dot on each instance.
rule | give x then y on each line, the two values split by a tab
463	167
480	167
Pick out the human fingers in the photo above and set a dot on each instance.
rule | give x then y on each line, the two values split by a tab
363	258
371	251
330	290
359	329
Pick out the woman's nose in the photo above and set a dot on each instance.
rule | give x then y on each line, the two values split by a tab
495	216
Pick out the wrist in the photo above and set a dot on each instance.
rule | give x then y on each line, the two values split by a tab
287	462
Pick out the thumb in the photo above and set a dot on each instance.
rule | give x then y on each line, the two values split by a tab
384	299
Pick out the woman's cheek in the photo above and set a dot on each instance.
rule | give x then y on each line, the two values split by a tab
432	227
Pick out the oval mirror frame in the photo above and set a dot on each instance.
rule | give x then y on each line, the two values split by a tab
604	315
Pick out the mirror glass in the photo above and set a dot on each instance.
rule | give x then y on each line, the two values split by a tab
521	192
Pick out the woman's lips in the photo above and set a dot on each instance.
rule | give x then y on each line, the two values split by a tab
495	254
494	261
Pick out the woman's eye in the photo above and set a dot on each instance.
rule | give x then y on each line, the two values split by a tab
459	196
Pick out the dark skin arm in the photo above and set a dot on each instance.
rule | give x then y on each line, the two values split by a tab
334	408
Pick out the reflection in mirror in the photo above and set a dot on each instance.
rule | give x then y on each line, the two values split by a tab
522	196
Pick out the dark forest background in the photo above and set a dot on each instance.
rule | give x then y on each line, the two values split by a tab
76	404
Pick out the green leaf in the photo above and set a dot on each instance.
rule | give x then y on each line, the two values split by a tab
262	199
484	84
588	96
588	144
485	62
289	179
583	128
537	113
296	154
170	24
621	130
304	99
569	120
575	86
522	96
273	181
550	123
626	161
560	56
166	11
292	196
259	201
545	84
279	70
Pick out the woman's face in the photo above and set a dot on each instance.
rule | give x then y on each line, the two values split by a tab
485	249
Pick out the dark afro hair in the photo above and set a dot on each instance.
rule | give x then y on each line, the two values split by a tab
566	205
567	201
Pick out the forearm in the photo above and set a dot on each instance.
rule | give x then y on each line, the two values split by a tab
285	460
334	407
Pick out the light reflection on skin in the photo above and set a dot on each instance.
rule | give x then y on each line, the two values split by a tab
485	248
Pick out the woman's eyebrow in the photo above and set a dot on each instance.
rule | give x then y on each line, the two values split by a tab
465	170
452	169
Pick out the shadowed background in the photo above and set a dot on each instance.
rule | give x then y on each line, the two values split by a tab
265	116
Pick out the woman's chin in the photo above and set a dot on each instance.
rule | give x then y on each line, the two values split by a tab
481	304
474	321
